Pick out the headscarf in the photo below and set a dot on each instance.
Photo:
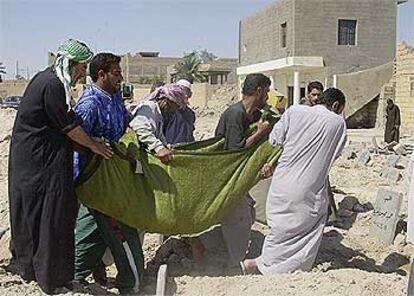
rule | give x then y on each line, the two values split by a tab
70	50
172	92
184	83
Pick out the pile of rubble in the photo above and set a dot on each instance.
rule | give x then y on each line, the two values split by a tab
208	117
222	98
391	159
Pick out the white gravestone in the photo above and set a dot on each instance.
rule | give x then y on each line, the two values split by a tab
385	215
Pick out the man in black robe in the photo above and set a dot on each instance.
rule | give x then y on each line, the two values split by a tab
43	206
392	126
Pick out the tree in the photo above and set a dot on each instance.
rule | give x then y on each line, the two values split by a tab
2	71
189	68
205	56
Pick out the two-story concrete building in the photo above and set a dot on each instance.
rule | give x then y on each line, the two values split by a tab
297	41
144	66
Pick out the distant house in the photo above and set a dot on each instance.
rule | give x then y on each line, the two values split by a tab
297	41
144	67
220	71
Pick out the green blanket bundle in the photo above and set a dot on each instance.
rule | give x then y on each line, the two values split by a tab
188	195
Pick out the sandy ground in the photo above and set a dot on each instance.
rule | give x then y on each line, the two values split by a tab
350	261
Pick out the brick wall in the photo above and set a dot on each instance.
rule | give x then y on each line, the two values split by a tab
136	67
201	93
404	86
260	34
316	32
12	88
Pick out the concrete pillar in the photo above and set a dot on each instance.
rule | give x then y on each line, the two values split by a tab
241	80
296	88
272	82
335	80
325	85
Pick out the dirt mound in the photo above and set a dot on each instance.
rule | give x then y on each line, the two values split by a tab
208	117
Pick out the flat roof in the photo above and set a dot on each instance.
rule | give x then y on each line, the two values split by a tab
283	63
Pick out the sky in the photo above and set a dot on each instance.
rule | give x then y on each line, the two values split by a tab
31	28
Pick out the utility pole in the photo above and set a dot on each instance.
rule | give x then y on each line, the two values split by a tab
18	71
2	71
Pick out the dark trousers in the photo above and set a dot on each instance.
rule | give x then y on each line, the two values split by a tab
94	233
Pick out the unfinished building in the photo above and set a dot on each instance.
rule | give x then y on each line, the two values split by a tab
347	44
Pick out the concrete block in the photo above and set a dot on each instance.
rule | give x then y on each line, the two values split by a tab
364	157
392	161
349	153
400	149
2	231
390	174
162	280
400	240
385	215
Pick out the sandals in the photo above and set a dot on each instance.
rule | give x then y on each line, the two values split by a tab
246	271
243	268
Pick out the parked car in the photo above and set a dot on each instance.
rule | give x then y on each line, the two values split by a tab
11	102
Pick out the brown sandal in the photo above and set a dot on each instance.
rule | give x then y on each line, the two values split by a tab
246	271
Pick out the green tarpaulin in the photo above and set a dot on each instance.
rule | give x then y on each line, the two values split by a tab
200	184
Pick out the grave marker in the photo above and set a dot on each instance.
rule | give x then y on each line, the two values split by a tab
390	174
364	157
392	161
385	215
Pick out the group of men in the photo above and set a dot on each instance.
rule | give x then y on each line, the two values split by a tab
43	167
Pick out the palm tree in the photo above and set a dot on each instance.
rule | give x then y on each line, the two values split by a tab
189	68
206	56
2	71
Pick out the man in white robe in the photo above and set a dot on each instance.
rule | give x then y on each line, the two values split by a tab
297	202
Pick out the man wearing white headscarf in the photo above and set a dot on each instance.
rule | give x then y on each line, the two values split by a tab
43	206
179	126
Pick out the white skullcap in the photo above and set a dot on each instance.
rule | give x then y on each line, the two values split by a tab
185	83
